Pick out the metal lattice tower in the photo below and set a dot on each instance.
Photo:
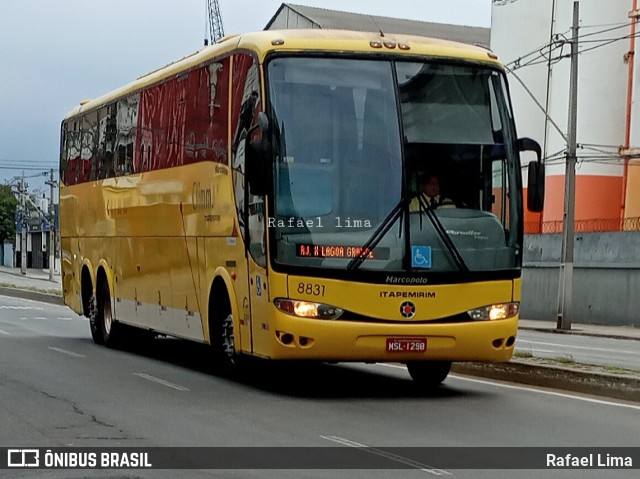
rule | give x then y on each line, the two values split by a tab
216	30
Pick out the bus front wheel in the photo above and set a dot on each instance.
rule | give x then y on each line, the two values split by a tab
228	344
429	373
223	343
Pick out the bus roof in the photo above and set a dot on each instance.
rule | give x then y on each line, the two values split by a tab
310	40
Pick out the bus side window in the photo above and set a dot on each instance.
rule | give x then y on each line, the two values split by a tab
65	160
89	129
246	103
126	126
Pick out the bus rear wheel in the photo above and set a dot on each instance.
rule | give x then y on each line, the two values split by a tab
104	321
429	373
94	320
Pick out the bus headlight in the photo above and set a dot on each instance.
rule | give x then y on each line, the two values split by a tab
307	309
495	311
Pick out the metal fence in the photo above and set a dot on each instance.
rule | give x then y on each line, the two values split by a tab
595	225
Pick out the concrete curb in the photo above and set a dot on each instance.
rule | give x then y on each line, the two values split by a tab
618	386
578	333
33	295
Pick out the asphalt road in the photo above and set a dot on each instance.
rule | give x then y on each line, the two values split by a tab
59	389
621	353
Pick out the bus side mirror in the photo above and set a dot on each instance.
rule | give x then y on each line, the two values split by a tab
257	158
535	187
535	184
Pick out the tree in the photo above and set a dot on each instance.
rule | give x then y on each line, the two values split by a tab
8	204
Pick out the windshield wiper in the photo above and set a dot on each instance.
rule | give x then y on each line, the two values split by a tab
376	237
444	236
388	222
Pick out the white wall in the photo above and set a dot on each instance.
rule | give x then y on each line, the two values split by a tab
602	81
522	26
518	28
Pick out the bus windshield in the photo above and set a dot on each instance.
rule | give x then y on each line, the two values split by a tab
393	166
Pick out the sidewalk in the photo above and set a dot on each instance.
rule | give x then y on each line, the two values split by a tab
35	279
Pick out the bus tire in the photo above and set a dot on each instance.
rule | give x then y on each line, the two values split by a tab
94	321
109	328
226	359
229	356
429	374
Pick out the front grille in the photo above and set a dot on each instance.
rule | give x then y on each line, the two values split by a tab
458	318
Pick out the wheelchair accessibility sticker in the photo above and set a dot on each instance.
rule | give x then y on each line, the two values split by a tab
421	257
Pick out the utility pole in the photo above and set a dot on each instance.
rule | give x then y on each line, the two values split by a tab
52	228
565	290
23	235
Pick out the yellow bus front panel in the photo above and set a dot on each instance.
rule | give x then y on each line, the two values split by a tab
372	316
340	340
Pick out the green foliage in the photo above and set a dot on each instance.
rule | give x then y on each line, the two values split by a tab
8	203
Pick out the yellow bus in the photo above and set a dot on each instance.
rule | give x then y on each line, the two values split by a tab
265	196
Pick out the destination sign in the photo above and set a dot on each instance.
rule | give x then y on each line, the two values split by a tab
308	250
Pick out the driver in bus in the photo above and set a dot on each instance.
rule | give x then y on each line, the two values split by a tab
430	196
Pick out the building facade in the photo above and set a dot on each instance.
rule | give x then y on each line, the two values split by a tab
290	16
35	226
532	37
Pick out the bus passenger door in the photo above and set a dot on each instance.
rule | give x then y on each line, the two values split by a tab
246	102
258	284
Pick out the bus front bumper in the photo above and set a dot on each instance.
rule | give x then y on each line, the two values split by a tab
342	340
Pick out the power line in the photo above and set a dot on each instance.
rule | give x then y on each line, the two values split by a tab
32	162
620	25
555	60
27	168
557	43
627	37
537	50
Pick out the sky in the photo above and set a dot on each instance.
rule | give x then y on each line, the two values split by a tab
54	54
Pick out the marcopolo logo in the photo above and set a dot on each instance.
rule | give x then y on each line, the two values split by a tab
23	458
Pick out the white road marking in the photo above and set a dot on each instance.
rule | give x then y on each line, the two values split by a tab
546	351
32	301
65	319
530	389
2	331
580	347
161	381
68	353
21	307
389	455
41	318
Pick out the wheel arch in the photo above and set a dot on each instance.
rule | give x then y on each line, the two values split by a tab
87	286
223	289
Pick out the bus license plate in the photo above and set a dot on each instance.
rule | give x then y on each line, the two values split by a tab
406	345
